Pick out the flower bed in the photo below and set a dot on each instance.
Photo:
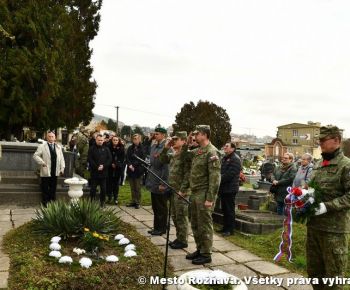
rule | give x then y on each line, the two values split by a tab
32	267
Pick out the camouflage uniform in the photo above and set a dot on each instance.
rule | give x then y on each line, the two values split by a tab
328	233
204	181
178	171
82	158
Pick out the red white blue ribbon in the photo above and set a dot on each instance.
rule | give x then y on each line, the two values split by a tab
286	237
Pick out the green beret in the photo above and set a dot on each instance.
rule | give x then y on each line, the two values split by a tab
160	130
180	135
329	130
201	128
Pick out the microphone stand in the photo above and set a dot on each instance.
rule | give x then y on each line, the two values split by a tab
173	190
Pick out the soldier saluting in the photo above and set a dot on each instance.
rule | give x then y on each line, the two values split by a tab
204	181
328	231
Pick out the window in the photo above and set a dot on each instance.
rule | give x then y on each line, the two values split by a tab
295	141
295	133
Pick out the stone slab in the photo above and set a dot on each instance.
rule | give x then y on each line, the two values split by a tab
4	227
242	256
237	270
148	223
5	211
158	240
4	262
172	252
143	231
191	248
295	286
128	218
26	216
23	211
134	211
138	225
143	218
3	279
220	259
266	268
5	218
224	246
180	263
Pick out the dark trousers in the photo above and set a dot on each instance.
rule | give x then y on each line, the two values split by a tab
48	189
113	184
280	207
102	182
160	211
135	187
228	209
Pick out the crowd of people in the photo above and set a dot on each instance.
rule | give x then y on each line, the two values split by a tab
196	171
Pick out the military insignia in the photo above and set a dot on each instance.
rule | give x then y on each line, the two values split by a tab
214	158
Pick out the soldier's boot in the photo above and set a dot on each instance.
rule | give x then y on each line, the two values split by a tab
178	245
201	260
173	242
193	255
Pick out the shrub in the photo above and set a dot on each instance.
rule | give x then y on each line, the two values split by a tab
67	219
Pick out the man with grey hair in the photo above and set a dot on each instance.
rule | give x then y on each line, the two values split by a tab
304	172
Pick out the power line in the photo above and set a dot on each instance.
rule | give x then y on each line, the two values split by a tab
135	110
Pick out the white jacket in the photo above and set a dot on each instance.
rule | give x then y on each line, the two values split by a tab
42	156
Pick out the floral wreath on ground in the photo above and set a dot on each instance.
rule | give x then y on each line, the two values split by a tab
92	242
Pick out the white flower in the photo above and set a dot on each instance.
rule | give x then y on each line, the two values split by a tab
130	247
124	241
119	237
55	247
130	253
55	254
78	251
65	260
85	262
55	239
112	259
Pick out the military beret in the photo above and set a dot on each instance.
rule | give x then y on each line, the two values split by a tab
201	128
328	130
160	130
180	135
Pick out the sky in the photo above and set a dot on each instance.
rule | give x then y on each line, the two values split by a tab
267	62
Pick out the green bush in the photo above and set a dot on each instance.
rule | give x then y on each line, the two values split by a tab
67	219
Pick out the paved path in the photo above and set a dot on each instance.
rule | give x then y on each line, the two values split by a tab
226	256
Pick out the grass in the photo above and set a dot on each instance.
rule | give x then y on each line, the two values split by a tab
124	196
267	246
32	268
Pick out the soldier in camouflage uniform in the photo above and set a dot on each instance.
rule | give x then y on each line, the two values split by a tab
204	181
82	153
328	231
178	170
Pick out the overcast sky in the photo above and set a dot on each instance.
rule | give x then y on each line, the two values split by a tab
267	62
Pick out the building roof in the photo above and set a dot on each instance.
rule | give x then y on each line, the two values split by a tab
298	125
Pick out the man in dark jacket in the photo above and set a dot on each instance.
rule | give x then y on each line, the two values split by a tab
100	159
282	178
157	189
229	186
135	170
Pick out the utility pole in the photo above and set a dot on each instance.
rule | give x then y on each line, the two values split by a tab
117	127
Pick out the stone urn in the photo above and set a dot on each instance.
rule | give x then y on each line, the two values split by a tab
209	277
75	187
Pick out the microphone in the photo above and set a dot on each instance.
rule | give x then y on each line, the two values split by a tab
141	160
